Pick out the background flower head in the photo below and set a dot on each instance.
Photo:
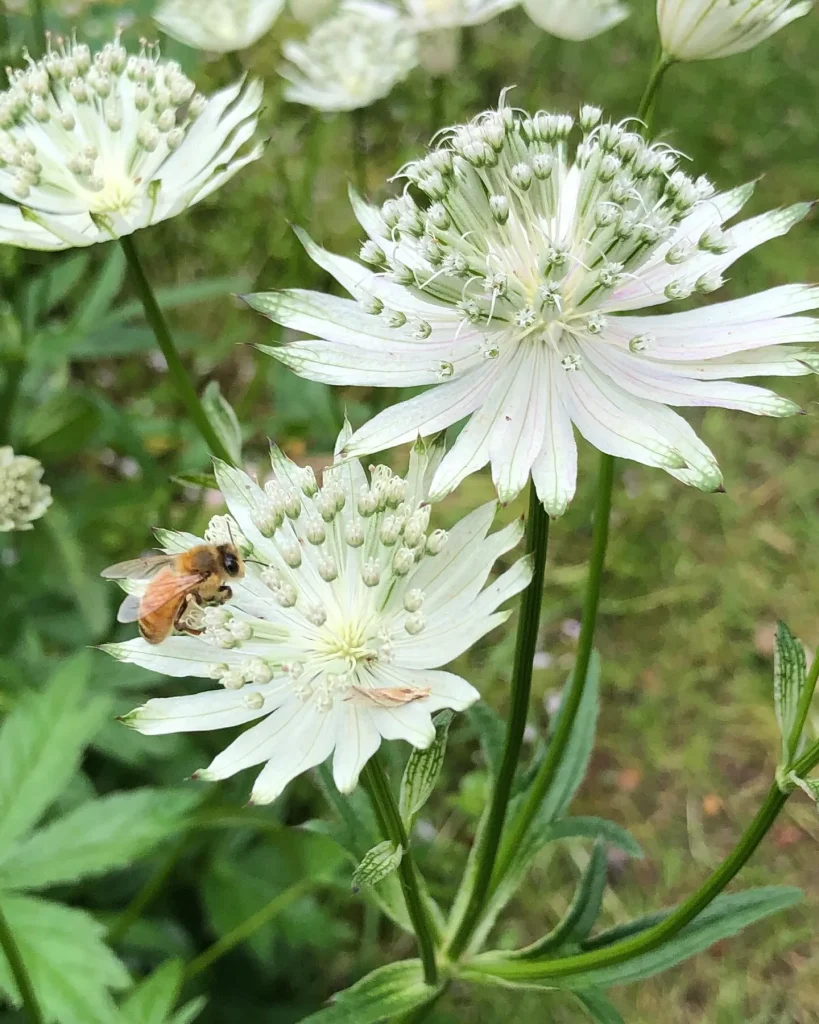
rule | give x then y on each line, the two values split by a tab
336	636
352	59
215	25
433	15
511	290
96	147
576	19
704	29
22	497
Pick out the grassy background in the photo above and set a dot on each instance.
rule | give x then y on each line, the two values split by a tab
693	587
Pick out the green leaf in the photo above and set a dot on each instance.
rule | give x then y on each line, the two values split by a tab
89	590
223	420
189	1012
153	999
579	919
41	743
809	786
377	863
182	295
789	681
62	279
598	1007
384	993
207	480
98	297
422	770
587	827
99	836
67	960
723	918
490	729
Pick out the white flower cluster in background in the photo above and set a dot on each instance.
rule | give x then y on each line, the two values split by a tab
512	287
352	59
576	20
336	635
706	29
215	25
22	497
93	147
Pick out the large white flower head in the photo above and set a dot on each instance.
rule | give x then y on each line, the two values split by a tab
576	19
93	148
22	497
352	59
336	635
506	274
704	29
215	25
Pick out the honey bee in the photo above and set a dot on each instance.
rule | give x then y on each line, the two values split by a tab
175	582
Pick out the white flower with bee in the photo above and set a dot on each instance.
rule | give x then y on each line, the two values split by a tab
335	636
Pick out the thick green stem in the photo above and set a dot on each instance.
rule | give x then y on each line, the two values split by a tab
537	537
571	701
176	368
21	977
646	108
386	810
660	933
803	708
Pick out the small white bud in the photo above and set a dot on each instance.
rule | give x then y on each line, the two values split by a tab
372	253
521	175
403	560
436	541
709	282
309	485
414	624
328	570
253	701
259	672
354	534
371	573
499	206
413	600
291	553
390	530
316	614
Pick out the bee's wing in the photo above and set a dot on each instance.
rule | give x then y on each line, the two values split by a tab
137	568
167	586
129	609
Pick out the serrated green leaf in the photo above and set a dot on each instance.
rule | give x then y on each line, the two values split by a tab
579	919
422	770
790	674
377	863
223	420
153	999
99	836
723	918
41	743
384	993
598	1007
90	590
70	966
490	729
62	279
586	827
809	786
101	293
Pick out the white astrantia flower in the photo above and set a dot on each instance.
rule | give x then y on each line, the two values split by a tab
352	59
433	15
336	635
512	287
576	19
22	497
96	147
705	29
217	26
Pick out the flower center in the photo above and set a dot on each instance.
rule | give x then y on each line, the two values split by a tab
348	642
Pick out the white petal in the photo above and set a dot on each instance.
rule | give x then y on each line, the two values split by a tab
357	739
772	360
307	743
448	691
176	656
464	542
412	721
278	733
425	458
519	431
443	641
199	712
554	471
575	20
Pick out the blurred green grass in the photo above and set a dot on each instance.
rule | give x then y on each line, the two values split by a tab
694	582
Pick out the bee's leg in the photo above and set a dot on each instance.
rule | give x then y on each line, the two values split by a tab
223	594
192	600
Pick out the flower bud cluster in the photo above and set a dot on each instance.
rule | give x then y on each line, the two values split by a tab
22	497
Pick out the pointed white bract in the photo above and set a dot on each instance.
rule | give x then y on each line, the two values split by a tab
352	59
576	19
215	25
22	497
512	290
335	637
96	147
704	29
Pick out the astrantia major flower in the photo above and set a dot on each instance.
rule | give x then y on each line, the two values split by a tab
576	19
336	635
507	276
22	497
352	59
93	148
433	15
215	25
704	29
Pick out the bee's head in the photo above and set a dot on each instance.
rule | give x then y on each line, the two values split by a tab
231	560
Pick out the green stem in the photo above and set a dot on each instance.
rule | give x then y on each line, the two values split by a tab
537	537
148	893
21	977
660	933
803	708
176	368
386	810
244	930
571	701
661	65
358	125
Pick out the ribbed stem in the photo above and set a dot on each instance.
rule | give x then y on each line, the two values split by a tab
176	368
571	701
661	65
537	538
19	972
389	818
